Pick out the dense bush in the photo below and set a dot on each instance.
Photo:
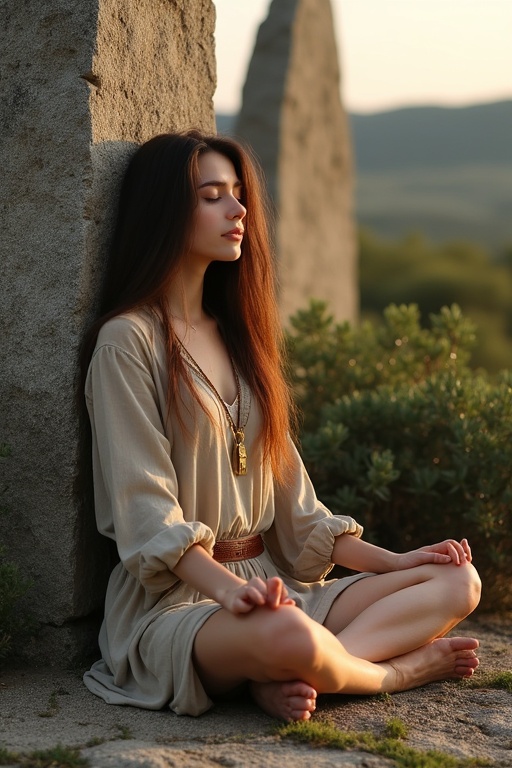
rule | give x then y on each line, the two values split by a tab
400	433
16	626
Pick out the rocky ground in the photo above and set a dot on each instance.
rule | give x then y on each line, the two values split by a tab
40	709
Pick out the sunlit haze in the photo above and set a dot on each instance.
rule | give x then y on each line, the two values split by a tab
392	52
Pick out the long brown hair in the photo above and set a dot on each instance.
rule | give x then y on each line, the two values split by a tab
152	236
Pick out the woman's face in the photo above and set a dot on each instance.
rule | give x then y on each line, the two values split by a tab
218	223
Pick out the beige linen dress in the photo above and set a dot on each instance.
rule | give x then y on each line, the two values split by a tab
157	492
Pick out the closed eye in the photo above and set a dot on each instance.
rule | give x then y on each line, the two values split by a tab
216	199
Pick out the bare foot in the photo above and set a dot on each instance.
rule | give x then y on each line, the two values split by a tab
445	658
285	701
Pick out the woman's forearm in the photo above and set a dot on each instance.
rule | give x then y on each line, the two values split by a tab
236	595
359	555
200	571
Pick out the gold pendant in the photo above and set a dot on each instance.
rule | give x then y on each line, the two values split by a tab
240	454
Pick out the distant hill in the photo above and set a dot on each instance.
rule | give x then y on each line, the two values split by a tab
225	123
426	137
444	171
433	137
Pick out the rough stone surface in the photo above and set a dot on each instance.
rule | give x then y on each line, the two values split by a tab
49	707
80	82
265	754
153	68
293	117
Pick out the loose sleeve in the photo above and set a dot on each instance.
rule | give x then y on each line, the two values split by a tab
302	536
136	488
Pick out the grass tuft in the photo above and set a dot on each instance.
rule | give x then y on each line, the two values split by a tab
500	680
7	757
95	742
324	734
124	732
53	706
56	757
396	729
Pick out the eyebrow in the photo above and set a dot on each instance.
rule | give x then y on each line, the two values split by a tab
214	183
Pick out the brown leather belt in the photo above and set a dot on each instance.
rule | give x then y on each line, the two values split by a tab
238	549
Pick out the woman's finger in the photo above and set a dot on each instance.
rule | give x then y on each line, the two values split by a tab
457	552
252	594
275	589
467	550
258	584
277	593
452	552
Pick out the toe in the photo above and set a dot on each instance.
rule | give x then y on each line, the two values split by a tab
464	671
464	643
299	714
300	689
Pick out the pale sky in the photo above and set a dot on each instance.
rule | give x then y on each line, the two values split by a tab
393	53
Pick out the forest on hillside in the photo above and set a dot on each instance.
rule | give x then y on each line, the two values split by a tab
434	206
414	270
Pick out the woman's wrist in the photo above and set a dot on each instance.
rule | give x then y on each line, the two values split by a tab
221	591
393	561
200	571
381	560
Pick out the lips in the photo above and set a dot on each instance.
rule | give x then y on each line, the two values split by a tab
236	231
235	235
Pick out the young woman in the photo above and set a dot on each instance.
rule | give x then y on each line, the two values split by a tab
223	545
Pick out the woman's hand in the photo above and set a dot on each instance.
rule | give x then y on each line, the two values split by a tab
359	555
242	599
198	569
448	551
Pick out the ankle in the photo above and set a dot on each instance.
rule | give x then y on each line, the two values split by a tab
393	679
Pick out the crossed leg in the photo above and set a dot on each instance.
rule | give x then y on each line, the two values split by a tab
383	634
390	614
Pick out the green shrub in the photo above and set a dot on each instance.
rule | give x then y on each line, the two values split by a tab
15	627
401	434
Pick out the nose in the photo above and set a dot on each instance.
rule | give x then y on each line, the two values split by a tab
238	211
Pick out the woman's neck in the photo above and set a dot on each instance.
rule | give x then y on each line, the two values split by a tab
185	302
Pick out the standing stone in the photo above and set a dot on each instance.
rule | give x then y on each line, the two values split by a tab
80	83
293	118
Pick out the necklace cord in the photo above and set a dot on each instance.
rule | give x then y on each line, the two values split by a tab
240	451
